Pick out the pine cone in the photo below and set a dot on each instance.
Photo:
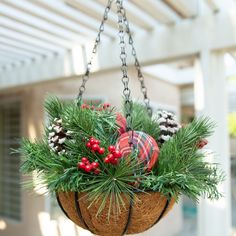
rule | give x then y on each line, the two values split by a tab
57	137
168	126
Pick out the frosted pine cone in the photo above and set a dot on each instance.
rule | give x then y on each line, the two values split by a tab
168	126
57	137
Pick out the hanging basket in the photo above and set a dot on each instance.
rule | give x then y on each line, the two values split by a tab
137	216
95	157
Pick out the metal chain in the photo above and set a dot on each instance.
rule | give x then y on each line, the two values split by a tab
85	77
123	56
137	65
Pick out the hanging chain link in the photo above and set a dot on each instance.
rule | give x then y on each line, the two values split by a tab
123	26
85	77
137	65
124	67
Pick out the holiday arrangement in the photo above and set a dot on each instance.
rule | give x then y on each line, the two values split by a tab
88	150
120	171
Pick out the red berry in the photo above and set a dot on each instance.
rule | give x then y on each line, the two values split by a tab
95	165
88	145
85	160
111	148
88	168
97	171
92	141
81	165
110	156
96	142
106	105
101	150
107	160
84	106
114	161
95	147
117	154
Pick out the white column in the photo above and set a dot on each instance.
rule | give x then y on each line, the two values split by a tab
214	218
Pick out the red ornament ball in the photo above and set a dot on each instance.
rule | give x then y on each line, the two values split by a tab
144	143
121	122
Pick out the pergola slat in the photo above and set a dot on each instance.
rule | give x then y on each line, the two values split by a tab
68	12
8	33
185	8
19	52
42	13
28	30
27	47
95	9
158	10
38	23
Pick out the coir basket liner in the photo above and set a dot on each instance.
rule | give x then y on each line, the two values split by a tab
137	216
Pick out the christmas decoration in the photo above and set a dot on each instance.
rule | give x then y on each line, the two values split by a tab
146	146
168	126
57	136
101	162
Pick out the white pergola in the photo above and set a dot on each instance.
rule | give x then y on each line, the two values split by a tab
43	40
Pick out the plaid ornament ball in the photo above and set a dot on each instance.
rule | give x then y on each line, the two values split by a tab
147	147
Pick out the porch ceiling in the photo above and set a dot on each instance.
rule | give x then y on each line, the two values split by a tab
34	31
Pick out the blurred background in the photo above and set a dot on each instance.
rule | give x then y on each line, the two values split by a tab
188	52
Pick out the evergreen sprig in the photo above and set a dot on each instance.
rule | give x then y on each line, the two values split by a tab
181	168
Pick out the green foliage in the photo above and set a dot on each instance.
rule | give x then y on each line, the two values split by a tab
141	121
232	124
181	168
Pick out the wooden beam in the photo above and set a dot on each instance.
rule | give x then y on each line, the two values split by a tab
42	13
185	8
24	46
35	33
143	21
7	33
79	17
39	24
96	9
218	32
158	10
19	52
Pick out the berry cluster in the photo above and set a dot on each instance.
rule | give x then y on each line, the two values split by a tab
93	144
103	107
113	156
88	167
